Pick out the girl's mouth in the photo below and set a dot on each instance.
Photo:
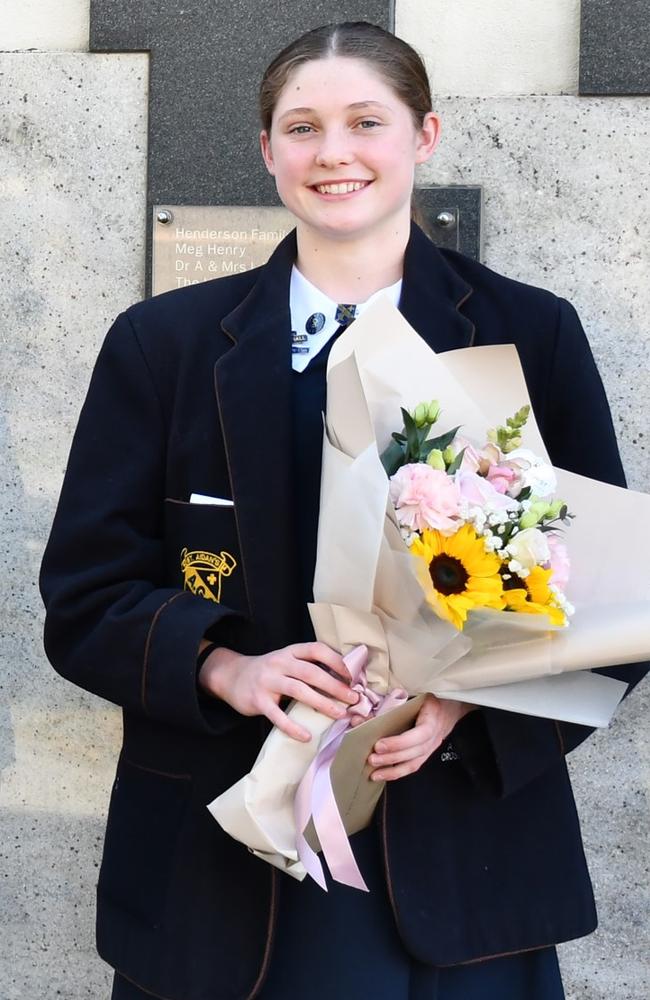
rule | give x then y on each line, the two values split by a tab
340	187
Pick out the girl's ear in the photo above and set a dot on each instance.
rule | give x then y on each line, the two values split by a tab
428	137
267	155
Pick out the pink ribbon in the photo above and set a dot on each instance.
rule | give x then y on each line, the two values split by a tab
315	796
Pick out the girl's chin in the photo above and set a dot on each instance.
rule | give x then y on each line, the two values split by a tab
347	226
343	230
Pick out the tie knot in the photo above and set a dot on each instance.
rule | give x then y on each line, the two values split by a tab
345	313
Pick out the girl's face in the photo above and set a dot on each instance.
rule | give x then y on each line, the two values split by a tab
343	149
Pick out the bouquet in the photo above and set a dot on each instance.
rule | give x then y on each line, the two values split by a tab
483	521
441	568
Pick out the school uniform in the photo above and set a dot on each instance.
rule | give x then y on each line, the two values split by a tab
193	393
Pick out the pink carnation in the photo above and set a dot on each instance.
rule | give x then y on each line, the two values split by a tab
559	561
425	498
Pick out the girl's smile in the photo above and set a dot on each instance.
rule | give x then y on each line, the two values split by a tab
340	188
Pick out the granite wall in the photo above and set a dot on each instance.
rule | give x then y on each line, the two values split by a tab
565	181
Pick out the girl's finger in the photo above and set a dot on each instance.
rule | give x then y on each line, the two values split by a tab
420	733
319	652
308	696
320	679
402	756
280	719
399	770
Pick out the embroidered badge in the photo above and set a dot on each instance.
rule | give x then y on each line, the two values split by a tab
203	572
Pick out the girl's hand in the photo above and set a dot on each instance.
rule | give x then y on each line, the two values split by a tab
396	756
254	685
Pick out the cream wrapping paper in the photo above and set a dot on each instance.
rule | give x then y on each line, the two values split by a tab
368	589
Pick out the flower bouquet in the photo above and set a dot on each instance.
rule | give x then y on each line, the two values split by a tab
441	568
482	520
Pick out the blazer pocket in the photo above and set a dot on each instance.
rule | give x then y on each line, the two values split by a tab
202	552
144	822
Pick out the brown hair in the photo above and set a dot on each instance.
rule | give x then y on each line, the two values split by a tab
400	65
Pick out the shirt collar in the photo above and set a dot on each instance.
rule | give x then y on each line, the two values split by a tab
305	301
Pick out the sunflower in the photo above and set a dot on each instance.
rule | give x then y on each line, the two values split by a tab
463	573
533	596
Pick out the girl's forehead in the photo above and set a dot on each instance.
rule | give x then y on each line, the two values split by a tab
338	77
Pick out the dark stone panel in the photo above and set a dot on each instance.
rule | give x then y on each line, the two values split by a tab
207	59
615	47
451	216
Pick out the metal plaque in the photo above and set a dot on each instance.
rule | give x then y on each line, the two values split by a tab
195	243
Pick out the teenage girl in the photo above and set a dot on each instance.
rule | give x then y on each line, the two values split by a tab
191	616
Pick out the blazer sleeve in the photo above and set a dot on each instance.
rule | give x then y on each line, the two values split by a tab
111	624
503	751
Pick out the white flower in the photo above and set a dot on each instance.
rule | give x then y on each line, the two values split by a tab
535	473
529	548
518	570
408	536
561	600
498	517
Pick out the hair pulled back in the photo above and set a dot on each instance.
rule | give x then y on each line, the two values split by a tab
393	59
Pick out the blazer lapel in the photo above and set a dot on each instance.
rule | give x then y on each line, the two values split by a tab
432	295
253	387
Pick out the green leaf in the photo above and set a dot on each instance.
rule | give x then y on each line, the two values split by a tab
407	418
441	442
400	438
412	439
456	464
422	433
393	458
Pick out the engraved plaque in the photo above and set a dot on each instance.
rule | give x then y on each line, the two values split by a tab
195	243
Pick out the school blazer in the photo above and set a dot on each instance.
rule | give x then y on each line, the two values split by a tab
191	394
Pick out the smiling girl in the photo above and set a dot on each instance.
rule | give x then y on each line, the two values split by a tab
474	859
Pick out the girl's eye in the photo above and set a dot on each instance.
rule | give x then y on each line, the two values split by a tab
368	123
300	129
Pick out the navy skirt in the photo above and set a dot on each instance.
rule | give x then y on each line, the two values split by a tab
343	945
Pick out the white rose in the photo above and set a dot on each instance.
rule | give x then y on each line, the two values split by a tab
529	548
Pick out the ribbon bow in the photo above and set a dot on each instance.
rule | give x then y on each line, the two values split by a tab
315	795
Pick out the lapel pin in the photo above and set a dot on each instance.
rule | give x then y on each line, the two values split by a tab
315	323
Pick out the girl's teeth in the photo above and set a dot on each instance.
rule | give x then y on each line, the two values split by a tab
339	188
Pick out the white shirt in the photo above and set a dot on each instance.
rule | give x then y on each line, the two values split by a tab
312	309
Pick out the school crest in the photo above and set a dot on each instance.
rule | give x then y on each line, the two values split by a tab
203	572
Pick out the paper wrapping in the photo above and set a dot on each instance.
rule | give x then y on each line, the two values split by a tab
368	588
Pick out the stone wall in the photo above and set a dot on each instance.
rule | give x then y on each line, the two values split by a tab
565	181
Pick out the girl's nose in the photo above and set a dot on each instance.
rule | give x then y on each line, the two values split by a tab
334	149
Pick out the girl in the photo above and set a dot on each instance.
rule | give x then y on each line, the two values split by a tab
191	616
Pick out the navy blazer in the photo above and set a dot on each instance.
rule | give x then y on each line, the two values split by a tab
191	394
